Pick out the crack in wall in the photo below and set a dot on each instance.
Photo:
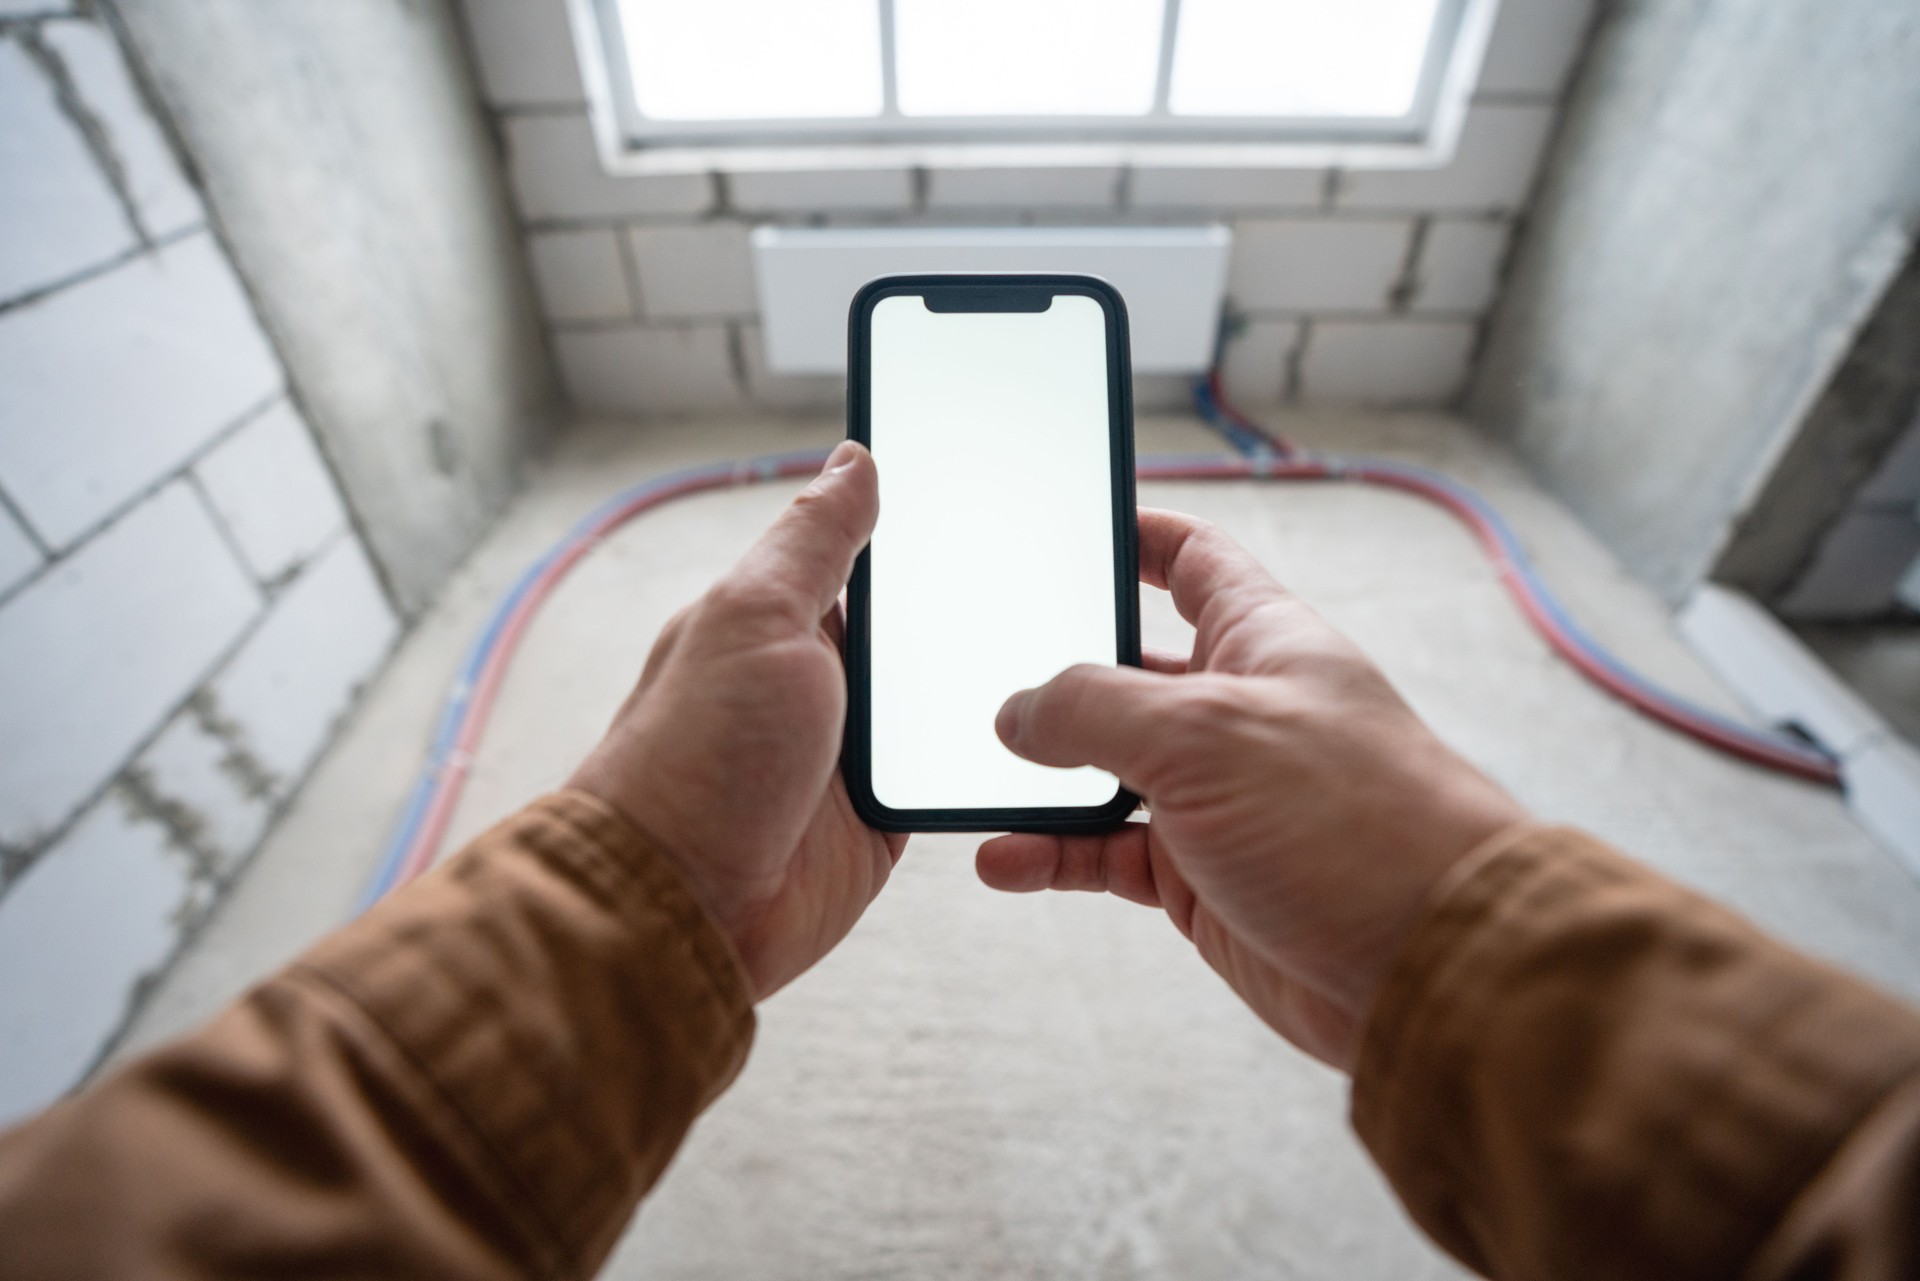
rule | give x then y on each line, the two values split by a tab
1290	388
1405	290
93	129
142	802
186	830
443	447
15	859
737	358
255	779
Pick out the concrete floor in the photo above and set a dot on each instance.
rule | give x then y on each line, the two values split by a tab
977	1085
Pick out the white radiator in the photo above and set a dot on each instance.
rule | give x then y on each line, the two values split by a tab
1173	278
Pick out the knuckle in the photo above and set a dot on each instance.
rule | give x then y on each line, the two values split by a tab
1207	536
677	623
739	592
1207	710
1204	730
819	507
739	601
1070	694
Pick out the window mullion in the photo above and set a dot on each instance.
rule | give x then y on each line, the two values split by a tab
889	74
1163	79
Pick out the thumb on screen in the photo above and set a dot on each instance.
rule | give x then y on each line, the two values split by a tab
808	553
1089	715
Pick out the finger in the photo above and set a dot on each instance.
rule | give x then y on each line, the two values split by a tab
1111	862
1208	573
663	645
834	624
1089	715
1166	661
805	558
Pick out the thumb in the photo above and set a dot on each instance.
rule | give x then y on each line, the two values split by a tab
808	553
1107	717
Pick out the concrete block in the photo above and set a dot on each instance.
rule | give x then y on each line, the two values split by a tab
1883	791
152	176
524	49
207	787
1492	169
92	917
1459	268
822	393
698	272
271	488
18	555
112	383
648	372
556	174
1534	45
59	215
277	703
580	274
1773	672
1022	188
97	651
1306	264
1386	362
1785	683
1896	481
1255	365
1857	568
806	190
1227	188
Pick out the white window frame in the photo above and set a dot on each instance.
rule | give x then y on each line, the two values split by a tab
630	143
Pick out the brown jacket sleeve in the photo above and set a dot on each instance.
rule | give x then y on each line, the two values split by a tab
1575	1068
477	1079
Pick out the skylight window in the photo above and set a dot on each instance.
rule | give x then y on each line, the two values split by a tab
1299	57
763	76
754	59
1027	57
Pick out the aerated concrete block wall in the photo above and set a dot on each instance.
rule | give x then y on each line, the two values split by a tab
342	145
185	609
1360	286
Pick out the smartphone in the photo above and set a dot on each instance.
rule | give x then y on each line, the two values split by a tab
999	411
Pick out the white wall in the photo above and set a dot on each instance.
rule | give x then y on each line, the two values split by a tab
185	610
1357	286
1736	188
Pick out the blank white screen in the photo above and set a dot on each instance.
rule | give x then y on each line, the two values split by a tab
992	565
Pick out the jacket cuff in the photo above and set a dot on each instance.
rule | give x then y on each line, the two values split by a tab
663	888
1575	1067
563	994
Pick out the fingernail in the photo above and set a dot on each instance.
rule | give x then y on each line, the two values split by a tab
842	457
1012	712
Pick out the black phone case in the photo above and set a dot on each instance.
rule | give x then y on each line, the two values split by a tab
991	292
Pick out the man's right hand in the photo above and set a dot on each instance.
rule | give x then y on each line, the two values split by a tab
1301	814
